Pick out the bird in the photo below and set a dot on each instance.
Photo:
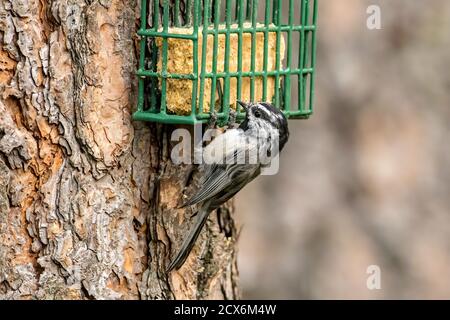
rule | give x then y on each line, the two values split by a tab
259	138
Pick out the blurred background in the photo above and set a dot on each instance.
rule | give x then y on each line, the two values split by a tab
366	180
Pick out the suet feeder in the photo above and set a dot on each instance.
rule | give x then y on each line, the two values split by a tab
199	57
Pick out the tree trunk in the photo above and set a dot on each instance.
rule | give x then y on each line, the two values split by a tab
87	197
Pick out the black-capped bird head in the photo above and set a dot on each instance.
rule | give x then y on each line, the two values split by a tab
263	114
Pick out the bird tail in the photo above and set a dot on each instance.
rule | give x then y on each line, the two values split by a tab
189	242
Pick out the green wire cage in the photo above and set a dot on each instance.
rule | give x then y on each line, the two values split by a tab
199	57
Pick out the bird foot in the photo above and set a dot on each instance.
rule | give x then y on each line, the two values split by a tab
232	119
212	122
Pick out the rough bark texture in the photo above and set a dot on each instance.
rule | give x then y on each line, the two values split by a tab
87	197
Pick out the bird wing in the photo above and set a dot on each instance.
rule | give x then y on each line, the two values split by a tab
216	182
218	171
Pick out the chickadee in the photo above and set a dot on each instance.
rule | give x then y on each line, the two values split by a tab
264	132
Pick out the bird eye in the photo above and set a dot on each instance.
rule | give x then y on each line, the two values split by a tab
257	114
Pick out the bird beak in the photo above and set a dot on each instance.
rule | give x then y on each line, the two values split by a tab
243	105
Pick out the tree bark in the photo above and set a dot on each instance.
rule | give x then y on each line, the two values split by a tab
87	197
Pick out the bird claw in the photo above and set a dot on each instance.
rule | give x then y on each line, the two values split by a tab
212	123
232	118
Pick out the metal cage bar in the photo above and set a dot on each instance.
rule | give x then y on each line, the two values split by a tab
215	53
277	21
240	39
254	16
266	48
287	79
204	48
